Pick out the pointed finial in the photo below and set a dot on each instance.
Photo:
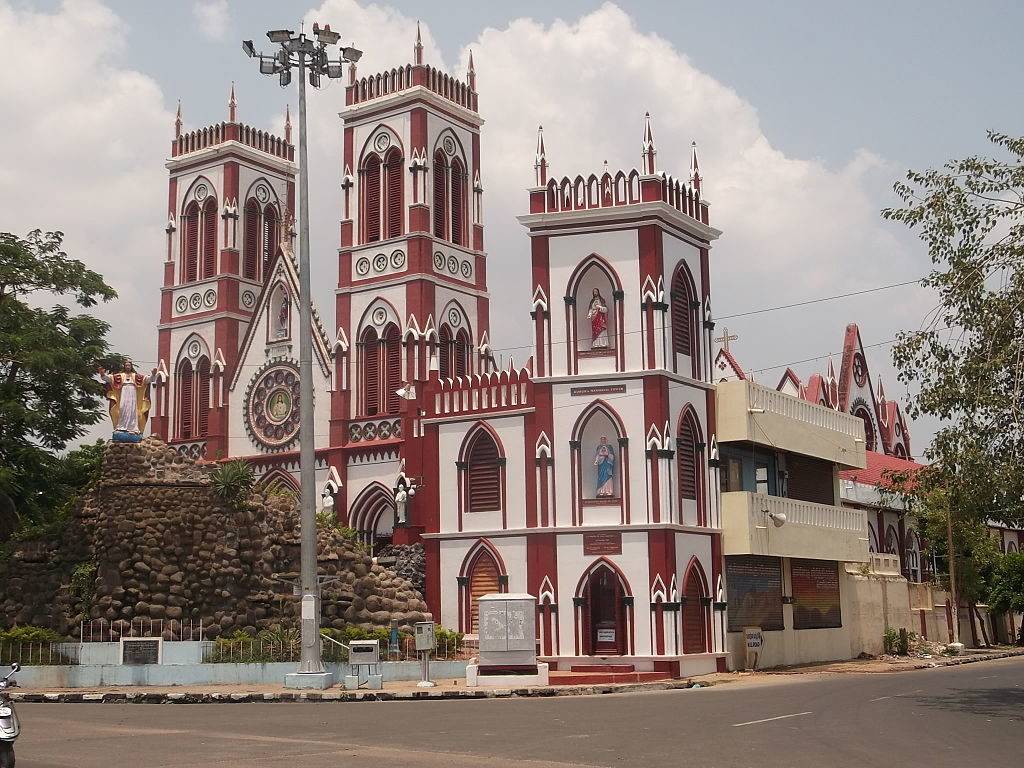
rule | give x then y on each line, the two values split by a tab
232	104
695	178
881	390
288	123
177	121
471	73
650	167
418	49
540	165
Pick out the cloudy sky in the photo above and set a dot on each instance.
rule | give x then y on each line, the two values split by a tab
804	114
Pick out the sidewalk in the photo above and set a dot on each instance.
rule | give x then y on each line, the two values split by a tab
900	663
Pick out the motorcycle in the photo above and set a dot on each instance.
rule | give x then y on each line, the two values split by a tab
9	725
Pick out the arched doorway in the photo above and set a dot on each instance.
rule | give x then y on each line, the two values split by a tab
604	616
483	580
695	633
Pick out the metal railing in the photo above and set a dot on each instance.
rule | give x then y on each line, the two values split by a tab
104	631
259	650
37	654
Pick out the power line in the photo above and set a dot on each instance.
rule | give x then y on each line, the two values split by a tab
819	300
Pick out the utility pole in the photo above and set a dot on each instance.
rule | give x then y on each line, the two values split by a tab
310	57
953	597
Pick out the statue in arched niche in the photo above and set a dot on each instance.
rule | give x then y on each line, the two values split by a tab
597	313
281	325
604	461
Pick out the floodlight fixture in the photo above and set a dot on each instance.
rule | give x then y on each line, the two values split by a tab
268	66
325	35
248	49
351	54
280	35
335	69
285	78
314	78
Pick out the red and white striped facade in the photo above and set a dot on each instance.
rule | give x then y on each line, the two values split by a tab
505	459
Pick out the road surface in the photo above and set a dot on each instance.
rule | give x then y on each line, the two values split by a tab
970	715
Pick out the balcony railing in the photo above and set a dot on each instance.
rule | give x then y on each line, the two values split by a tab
750	523
749	412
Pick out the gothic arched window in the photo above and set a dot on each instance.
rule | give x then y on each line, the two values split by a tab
463	349
371	199
684	316
271	237
190	244
202	397
695	636
251	244
483	473
444	352
370	345
483	580
440	194
209	238
393	192
458	202
392	343
186	413
689	462
869	427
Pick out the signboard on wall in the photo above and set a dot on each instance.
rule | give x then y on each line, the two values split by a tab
816	594
602	543
755	592
608	389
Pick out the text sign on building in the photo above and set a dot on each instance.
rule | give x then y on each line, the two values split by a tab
141	650
602	543
611	389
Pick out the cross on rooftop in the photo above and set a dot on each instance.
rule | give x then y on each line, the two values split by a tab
726	337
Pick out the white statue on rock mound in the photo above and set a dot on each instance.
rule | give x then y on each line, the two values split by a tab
128	396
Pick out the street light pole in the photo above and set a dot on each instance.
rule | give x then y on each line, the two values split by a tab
310	57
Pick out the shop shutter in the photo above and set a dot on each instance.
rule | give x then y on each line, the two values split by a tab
810	479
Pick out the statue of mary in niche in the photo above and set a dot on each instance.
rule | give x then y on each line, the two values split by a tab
597	313
604	460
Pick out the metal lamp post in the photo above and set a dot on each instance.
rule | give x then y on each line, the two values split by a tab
311	56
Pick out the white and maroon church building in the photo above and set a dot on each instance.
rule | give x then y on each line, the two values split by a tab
584	477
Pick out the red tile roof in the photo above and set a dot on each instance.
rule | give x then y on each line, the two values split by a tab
877	465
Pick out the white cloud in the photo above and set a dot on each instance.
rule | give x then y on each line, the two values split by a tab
212	17
85	155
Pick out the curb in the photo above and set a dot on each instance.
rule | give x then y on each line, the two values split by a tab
951	661
186	697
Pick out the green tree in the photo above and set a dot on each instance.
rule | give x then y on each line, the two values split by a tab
49	394
1007	591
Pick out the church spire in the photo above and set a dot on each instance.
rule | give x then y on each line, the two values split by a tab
177	121
418	48
695	178
288	123
471	73
232	104
541	163
650	168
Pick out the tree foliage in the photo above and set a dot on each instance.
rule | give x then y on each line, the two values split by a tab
49	394
1007	590
967	359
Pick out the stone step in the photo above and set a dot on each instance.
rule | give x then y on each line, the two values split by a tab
598	678
602	668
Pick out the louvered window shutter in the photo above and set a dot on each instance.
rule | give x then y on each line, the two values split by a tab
458	180
483	580
484	475
393	370
270	238
444	353
371	199
461	354
210	239
192	243
394	181
252	240
371	374
682	315
694	631
686	458
185	405
439	195
203	398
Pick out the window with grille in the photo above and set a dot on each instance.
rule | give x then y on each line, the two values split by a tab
483	470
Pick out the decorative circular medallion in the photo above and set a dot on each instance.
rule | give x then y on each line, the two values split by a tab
363	266
194	348
195	301
398	259
201	192
438	260
355	433
370	431
449	145
248	299
181	304
382	142
467	269
379	316
453	265
380	262
272	406
384	430
262	194
210	298
860	370
454	318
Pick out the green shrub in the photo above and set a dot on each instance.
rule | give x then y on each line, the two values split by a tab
83	583
30	634
232	482
903	642
890	639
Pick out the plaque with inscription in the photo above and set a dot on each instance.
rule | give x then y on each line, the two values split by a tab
610	389
602	543
140	650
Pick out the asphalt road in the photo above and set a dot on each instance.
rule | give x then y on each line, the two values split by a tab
971	715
